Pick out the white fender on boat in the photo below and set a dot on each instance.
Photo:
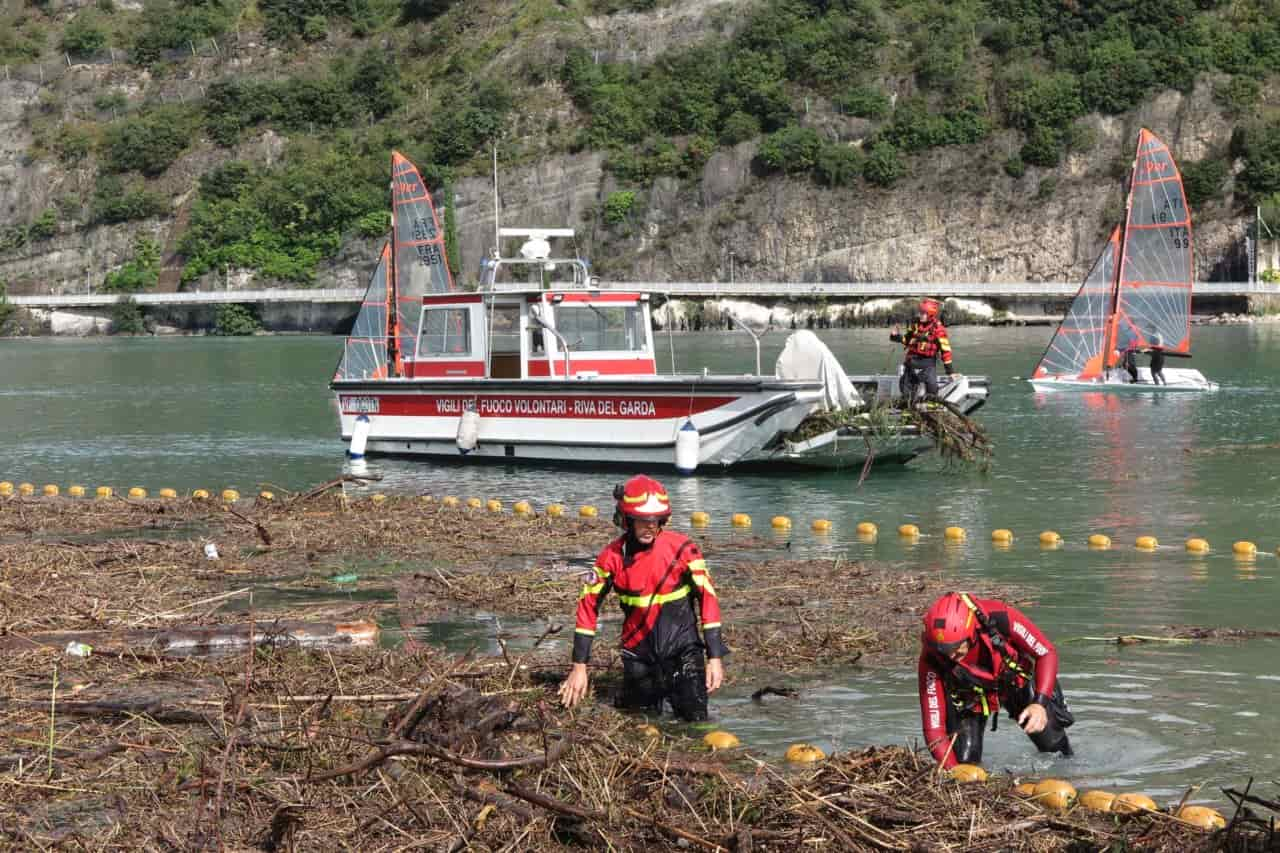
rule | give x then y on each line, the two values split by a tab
468	431
359	437
687	446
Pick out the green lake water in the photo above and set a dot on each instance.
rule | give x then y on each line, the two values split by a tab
215	413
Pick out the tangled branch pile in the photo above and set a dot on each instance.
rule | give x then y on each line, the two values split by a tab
957	437
378	750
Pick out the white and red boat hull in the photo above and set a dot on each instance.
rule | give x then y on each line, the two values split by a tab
622	420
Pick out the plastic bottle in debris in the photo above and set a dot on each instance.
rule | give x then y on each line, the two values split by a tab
76	649
210	551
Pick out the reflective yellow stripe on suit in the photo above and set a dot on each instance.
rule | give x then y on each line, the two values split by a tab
645	600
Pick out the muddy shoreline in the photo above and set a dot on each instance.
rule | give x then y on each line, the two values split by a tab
275	744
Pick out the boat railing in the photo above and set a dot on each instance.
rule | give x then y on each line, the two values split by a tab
581	279
560	339
744	327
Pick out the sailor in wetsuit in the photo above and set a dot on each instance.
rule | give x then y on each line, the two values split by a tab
1131	364
1157	360
977	653
659	576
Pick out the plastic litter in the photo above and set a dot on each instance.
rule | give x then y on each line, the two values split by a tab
76	649
211	551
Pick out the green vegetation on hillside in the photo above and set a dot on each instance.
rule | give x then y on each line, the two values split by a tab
844	93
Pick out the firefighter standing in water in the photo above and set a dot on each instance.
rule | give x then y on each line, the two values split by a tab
659	575
924	340
977	653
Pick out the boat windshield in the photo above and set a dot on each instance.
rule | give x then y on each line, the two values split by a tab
609	328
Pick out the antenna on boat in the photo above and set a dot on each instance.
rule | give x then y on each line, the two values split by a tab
497	234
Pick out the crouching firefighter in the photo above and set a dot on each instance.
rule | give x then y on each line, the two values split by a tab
662	585
924	341
976	654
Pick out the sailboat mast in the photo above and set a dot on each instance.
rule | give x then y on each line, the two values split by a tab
1108	346
393	288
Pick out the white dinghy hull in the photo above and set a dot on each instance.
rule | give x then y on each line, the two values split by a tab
1177	379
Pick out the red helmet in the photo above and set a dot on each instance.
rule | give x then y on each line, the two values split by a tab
930	307
948	623
642	497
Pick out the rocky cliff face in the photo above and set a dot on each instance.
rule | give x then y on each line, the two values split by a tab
956	217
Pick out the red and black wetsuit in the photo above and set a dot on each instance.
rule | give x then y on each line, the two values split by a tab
924	342
957	697
662	652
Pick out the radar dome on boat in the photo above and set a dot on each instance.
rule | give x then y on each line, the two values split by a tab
535	249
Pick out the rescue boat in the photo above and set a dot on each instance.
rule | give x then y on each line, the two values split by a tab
541	363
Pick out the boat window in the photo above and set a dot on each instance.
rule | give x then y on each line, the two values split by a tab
601	327
446	331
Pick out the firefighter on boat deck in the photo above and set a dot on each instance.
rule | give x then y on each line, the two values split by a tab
924	341
659	576
977	653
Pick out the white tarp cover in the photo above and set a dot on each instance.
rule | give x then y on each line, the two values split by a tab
807	357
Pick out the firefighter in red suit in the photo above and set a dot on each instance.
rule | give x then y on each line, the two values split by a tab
976	654
925	340
659	576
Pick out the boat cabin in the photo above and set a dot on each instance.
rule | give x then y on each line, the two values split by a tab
523	324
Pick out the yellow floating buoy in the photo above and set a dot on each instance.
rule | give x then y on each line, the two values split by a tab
522	508
1026	789
1132	803
741	519
137	492
1099	541
200	495
968	773
1202	816
26	489
230	495
720	740
649	730
955	534
555	510
908	531
804	753
6	488
493	505
474	503
1244	549
867	528
587	511
448	500
50	490
1050	538
1146	543
1098	801
780	522
266	496
1054	794
103	491
168	494
426	499
1198	546
700	518
75	491
821	525
1002	535
377	497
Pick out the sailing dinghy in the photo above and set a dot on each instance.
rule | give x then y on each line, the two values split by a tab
1137	297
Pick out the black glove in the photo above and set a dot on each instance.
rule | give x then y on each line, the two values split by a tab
951	371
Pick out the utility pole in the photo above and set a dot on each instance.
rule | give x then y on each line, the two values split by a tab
731	271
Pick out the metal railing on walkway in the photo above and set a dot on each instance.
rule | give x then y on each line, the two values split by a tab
706	289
